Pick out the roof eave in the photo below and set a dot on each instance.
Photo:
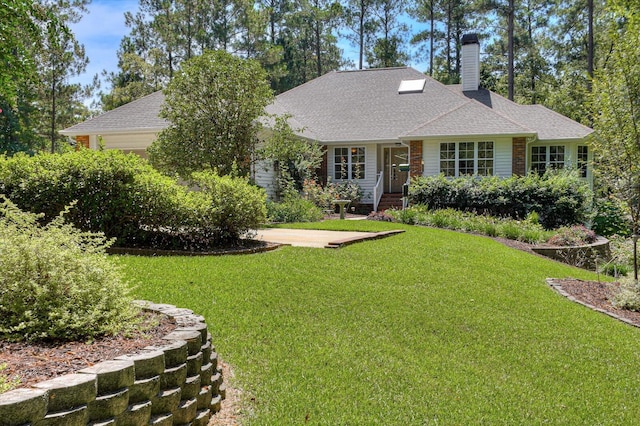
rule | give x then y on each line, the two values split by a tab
134	130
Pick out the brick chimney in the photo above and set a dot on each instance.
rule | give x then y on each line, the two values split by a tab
470	62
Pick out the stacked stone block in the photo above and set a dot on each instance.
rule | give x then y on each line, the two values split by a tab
179	383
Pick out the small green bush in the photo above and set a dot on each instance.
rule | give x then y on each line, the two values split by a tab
558	198
56	281
293	209
5	384
611	218
628	296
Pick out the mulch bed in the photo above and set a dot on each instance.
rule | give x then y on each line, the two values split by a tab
31	363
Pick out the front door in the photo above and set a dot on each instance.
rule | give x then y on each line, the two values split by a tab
394	177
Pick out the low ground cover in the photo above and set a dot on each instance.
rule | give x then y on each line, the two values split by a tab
528	230
430	326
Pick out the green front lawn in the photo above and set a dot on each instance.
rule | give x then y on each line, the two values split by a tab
426	327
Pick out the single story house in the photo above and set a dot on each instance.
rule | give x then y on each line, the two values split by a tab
382	126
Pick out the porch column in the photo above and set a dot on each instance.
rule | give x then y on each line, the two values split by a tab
519	157
415	158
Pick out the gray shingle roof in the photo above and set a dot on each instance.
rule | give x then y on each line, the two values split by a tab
365	105
137	116
548	124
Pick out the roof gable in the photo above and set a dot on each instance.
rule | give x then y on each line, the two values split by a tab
469	119
136	116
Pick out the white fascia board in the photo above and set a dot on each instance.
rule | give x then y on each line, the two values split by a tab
359	141
137	130
468	136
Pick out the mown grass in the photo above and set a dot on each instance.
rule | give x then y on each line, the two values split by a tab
426	327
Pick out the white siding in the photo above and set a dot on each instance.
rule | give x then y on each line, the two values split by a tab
431	158
264	177
502	155
129	142
370	157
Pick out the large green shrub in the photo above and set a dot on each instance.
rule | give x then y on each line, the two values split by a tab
127	199
231	206
56	281
559	197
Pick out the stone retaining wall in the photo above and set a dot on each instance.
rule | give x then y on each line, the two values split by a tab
179	383
583	256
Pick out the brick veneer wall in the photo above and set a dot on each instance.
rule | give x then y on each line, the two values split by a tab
323	170
415	158
173	384
519	157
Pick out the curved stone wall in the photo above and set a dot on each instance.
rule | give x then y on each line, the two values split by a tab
582	256
173	384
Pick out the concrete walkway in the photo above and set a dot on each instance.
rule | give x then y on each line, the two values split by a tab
316	238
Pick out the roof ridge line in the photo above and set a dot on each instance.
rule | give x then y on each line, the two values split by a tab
439	116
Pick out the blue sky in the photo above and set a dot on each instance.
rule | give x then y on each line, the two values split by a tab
101	30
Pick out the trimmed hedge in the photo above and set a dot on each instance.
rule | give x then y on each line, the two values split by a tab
127	199
559	198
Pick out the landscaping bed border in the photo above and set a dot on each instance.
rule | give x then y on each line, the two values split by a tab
177	383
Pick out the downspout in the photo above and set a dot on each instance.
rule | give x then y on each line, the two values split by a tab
529	141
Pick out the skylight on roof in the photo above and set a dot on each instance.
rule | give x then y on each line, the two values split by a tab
412	86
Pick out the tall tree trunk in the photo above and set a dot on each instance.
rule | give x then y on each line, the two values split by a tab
510	54
53	113
318	50
361	35
431	36
590	45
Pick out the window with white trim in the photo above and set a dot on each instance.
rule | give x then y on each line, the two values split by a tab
545	157
349	163
583	160
466	158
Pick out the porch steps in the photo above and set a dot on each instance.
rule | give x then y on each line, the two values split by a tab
389	201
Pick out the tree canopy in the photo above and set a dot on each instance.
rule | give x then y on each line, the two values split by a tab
213	105
615	104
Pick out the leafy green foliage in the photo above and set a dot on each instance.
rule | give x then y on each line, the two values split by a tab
293	209
522	230
324	196
127	199
558	198
232	206
212	107
627	296
296	159
56	281
615	104
611	218
5	384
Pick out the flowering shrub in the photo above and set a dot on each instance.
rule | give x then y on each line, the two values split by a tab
572	236
323	197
